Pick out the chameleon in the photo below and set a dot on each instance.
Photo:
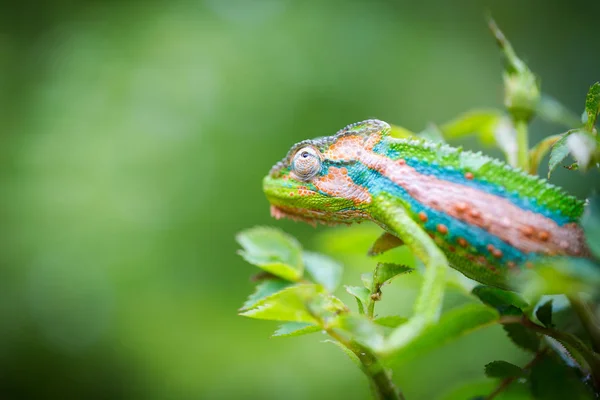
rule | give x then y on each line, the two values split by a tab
451	208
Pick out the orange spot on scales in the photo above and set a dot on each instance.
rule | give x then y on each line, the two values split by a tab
443	229
527	230
423	216
461	206
544	236
469	175
462	242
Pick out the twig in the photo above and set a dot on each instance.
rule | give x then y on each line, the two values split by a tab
380	379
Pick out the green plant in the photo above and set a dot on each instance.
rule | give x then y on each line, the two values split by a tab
296	286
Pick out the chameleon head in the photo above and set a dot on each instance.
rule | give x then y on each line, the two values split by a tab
322	180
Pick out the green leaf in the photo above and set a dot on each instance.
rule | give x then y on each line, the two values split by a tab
367	279
537	153
295	329
346	350
560	151
544	314
323	269
264	289
385	272
402	133
363	330
272	250
523	337
592	105
361	294
481	123
390	321
558	275
453	324
502	370
506	302
582	146
551	379
299	303
385	242
591	224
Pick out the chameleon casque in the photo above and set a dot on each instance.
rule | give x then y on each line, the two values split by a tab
451	207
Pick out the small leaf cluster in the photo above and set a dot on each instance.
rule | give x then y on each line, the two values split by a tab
553	372
284	293
304	302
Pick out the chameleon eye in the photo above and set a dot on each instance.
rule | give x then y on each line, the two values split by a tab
306	163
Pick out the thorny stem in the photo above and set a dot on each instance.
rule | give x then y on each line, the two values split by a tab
522	144
588	319
591	358
381	383
506	382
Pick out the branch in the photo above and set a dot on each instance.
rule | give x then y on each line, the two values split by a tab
381	381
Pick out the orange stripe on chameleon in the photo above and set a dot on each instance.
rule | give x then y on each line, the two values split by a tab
337	183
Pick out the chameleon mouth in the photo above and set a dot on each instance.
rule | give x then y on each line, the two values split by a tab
314	217
301	215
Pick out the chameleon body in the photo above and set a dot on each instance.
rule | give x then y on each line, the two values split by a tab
487	217
451	207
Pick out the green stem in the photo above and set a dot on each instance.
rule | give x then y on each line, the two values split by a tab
591	358
379	377
522	144
373	297
588	319
371	308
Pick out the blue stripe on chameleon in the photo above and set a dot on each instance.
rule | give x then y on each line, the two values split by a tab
452	175
477	237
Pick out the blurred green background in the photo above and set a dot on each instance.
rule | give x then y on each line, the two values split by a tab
134	136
